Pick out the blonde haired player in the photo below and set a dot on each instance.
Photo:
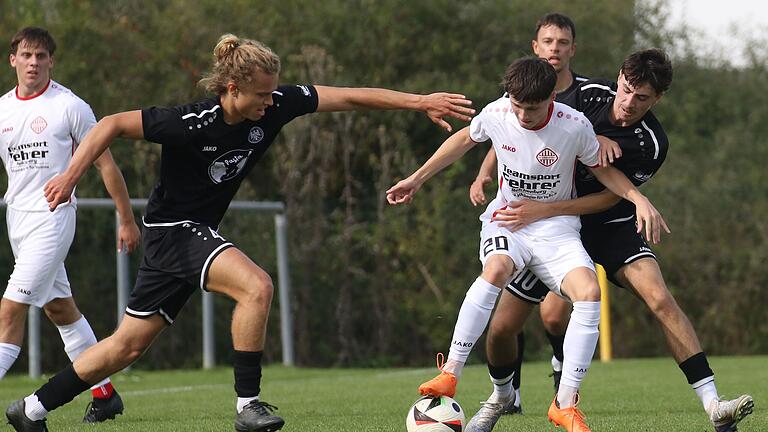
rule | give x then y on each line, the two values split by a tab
209	146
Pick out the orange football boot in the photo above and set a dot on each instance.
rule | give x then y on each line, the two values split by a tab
571	418
441	385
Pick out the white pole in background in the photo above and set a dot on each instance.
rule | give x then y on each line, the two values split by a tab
284	284
34	342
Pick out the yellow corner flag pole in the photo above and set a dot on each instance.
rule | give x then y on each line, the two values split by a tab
606	349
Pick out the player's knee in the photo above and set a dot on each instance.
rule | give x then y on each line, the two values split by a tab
661	303
501	327
128	349
554	323
62	313
498	270
589	292
259	289
12	315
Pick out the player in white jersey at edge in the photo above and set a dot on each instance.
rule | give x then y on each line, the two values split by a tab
537	142
41	122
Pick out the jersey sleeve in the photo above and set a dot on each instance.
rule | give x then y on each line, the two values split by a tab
478	128
293	101
81	120
589	153
163	125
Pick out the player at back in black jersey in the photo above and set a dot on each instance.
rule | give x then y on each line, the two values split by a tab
643	146
620	111
208	147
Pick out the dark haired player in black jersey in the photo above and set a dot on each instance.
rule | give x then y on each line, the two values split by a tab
555	41
208	148
621	112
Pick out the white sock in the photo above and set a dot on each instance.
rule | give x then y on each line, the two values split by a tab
33	408
517	397
557	365
8	355
243	401
578	349
78	337
474	315
502	388
706	391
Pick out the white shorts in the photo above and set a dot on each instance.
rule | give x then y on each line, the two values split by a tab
40	242
549	255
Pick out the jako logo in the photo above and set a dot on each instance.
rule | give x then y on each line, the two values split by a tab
463	344
581	370
23	291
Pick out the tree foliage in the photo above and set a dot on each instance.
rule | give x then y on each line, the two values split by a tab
375	285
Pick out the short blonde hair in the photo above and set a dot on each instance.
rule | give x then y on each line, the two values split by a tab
236	60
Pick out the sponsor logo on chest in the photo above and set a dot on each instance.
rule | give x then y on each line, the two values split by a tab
29	154
228	165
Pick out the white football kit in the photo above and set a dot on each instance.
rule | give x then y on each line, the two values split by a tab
536	165
38	136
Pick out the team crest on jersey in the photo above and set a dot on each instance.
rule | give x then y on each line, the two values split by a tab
38	125
547	157
228	165
255	135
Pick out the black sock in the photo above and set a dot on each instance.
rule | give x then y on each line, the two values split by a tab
519	362
696	368
557	342
247	373
501	372
61	389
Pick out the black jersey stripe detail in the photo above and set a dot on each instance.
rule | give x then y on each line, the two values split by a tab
653	136
209	261
202	113
638	256
599	86
624	219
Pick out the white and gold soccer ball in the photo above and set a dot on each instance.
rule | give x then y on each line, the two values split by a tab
431	414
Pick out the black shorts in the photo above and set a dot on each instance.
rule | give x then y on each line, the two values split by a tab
612	245
176	262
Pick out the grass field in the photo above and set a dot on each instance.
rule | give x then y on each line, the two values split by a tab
621	396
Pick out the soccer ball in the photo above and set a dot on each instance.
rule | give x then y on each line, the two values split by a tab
431	414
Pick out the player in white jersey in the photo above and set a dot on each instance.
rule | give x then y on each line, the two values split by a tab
41	122
555	41
538	142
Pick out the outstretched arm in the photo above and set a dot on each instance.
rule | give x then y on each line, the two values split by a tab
450	151
485	175
648	218
126	124
435	105
128	233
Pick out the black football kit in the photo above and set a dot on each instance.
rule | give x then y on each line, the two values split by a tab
203	162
